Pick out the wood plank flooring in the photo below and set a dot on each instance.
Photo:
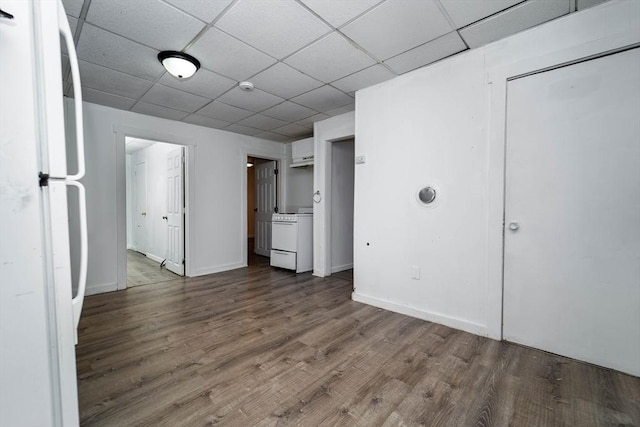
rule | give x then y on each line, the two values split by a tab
144	271
266	347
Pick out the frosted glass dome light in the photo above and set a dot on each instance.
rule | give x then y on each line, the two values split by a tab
179	64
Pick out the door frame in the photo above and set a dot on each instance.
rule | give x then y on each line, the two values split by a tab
283	171
496	98
120	133
136	192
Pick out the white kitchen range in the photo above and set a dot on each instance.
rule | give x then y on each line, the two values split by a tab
292	240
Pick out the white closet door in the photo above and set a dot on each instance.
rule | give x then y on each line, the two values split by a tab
175	211
265	205
572	212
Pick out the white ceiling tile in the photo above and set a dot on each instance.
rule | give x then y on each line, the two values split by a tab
330	58
108	99
289	111
324	98
65	64
309	121
255	100
270	136
365	78
205	83
220	111
112	51
338	12
511	21
157	24
205	121
293	130
284	26
174	98
284	81
73	7
397	26
224	54
583	4
207	10
260	121
158	111
465	12
245	130
111	81
427	53
341	110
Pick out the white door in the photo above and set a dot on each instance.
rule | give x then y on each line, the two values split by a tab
140	213
265	205
572	212
175	211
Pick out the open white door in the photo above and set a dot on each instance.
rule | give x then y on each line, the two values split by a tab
265	205
140	203
572	212
175	211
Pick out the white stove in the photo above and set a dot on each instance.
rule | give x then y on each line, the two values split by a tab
292	240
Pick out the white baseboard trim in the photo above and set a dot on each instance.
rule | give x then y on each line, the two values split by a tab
155	258
343	267
217	269
453	322
101	289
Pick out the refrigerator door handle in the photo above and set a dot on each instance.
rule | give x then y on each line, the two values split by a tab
65	31
82	280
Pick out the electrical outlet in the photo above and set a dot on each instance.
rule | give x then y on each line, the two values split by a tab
360	160
415	272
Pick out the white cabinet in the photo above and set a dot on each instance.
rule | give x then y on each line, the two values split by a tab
302	152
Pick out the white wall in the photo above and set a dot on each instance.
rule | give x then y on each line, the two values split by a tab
216	182
155	158
444	125
341	220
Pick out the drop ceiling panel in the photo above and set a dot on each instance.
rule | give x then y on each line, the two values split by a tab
175	99
111	81
365	78
108	99
513	20
255	100
73	25
289	111
330	58
285	26
342	110
583	4
220	111
397	26
308	122
432	51
324	98
206	10
112	51
262	122
228	56
205	121
73	7
339	12
157	24
293	130
205	83
270	136
245	130
465	12
158	111
284	81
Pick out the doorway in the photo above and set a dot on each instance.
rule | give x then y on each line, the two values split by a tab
341	205
262	202
155	211
572	209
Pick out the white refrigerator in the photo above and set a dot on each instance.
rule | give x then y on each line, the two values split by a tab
38	313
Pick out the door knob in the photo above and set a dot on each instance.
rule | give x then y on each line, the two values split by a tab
164	217
513	226
143	214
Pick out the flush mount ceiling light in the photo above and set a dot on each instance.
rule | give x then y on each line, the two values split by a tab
179	64
246	86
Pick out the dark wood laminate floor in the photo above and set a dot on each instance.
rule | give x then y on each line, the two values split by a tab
262	346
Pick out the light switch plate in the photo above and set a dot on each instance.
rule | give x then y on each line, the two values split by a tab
361	160
415	272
